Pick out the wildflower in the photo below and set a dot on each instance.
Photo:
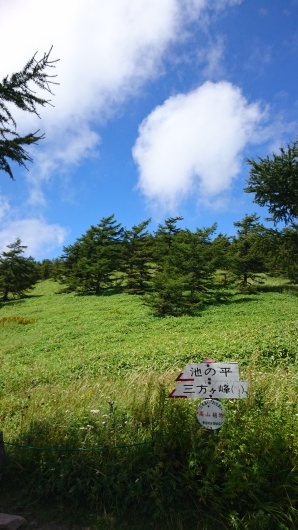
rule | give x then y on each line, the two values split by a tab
94	411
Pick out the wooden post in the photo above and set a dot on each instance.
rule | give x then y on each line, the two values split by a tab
2	450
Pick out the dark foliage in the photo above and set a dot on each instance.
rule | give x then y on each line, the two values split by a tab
274	181
17	90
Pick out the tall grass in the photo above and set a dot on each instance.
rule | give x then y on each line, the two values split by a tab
88	424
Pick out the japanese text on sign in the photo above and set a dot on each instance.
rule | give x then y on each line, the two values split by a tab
211	414
209	379
213	371
218	389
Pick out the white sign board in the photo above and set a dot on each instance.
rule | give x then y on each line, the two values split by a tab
211	414
210	371
217	389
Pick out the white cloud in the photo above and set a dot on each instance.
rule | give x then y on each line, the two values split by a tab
39	236
193	143
4	207
212	58
81	143
107	50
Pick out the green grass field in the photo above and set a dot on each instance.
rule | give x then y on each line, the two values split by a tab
88	425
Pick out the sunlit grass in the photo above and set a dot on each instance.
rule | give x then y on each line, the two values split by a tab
94	373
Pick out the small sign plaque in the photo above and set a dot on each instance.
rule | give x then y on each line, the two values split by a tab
211	414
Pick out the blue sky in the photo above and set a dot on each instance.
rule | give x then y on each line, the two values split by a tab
158	106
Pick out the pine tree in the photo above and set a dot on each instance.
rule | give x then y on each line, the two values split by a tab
137	258
193	256
220	250
165	236
91	264
281	251
288	252
45	268
17	273
17	90
274	181
246	256
167	296
185	265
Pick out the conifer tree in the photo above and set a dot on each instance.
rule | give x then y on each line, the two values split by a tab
167	296
281	251
17	273
165	236
137	258
167	282
288	252
17	90
274	181
91	263
220	250
246	257
185	265
45	268
193	256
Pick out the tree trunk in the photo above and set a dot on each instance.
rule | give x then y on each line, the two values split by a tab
97	285
5	294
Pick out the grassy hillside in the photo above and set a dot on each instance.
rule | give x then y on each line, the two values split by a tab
87	423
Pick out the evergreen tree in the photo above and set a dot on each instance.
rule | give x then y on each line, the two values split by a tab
281	256
45	268
165	236
288	252
137	258
274	181
245	254
91	263
17	273
56	269
220	251
167	296
193	257
17	90
185	266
